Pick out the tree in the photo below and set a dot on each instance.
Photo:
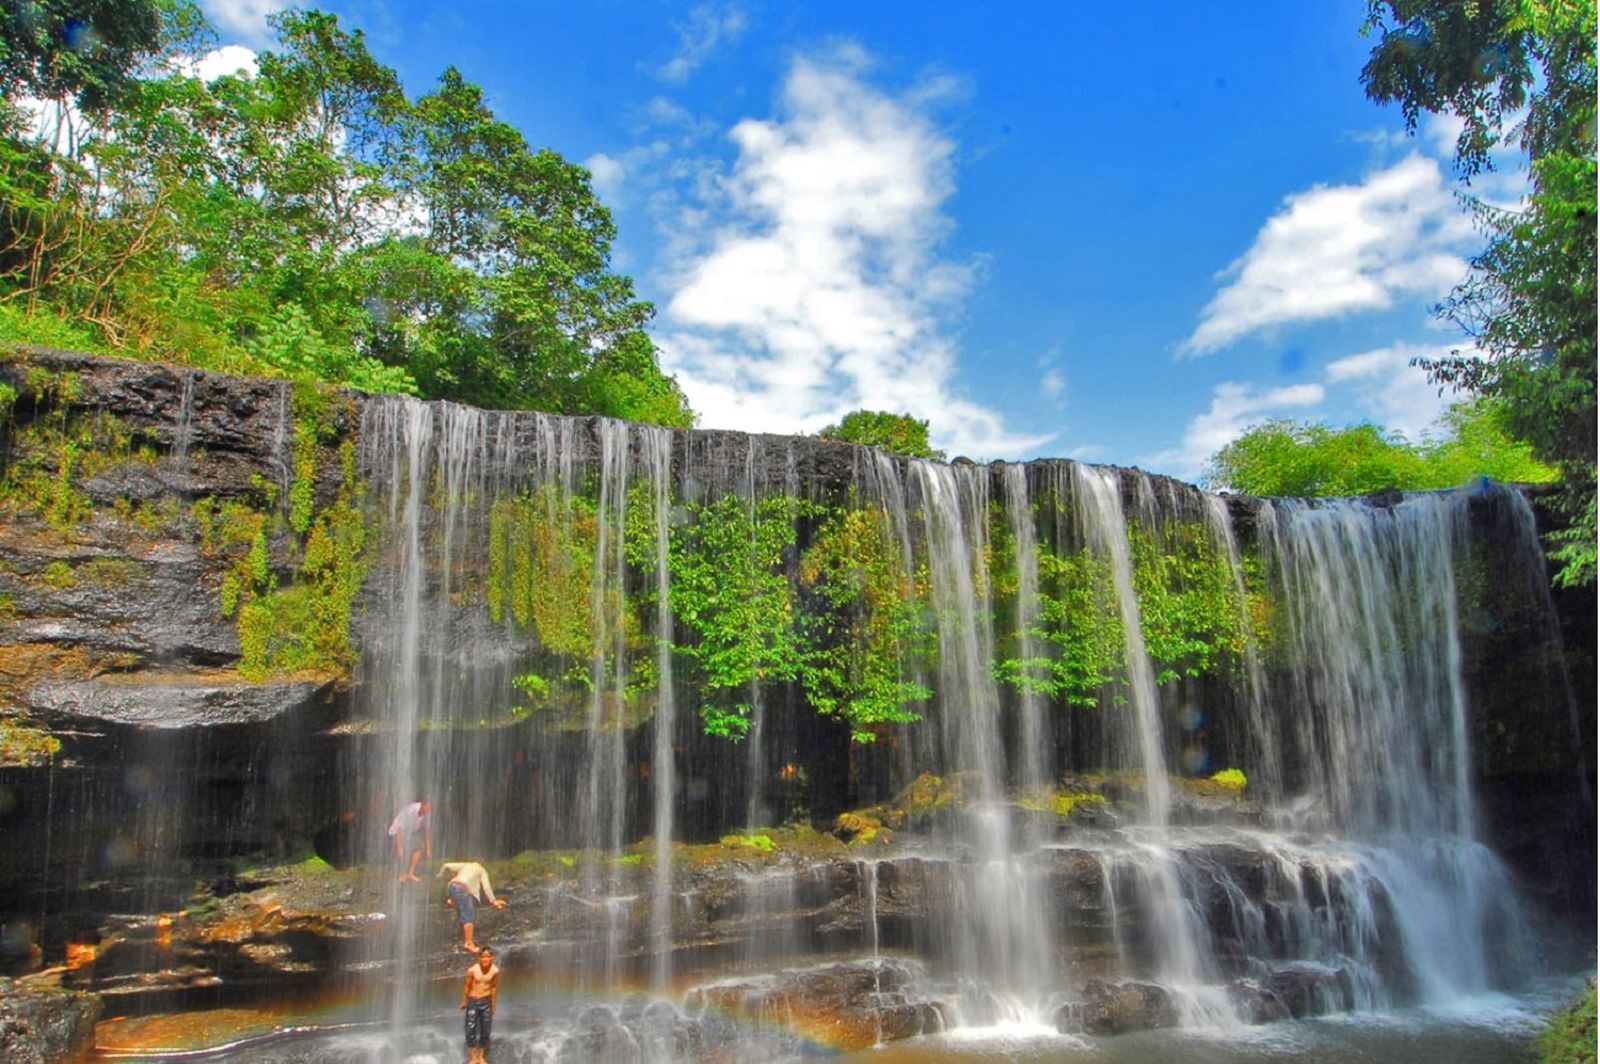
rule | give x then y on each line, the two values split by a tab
86	50
518	307
1529	300
1286	458
896	433
311	220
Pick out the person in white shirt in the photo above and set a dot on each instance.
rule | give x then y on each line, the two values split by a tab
408	823
469	882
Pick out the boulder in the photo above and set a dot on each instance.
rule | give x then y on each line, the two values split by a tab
1117	1008
846	1006
45	1025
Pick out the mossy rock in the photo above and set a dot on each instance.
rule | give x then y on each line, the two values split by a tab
24	747
861	828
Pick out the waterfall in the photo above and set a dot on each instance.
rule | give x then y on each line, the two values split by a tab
1382	749
763	741
1363	882
1002	942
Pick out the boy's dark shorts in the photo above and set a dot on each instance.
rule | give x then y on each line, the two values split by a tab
466	905
478	1021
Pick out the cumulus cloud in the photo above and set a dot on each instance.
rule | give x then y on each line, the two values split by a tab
1235	406
813	284
606	174
1334	250
245	20
709	27
229	59
1389	389
1382	385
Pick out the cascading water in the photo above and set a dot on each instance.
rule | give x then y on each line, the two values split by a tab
1177	926
1002	940
1357	883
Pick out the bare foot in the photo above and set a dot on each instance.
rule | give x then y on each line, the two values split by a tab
411	879
470	947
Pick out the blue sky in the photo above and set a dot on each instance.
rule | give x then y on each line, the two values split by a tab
1121	233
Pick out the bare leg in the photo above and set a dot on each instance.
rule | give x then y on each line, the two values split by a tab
468	943
411	873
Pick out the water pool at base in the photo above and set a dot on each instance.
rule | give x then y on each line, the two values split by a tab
1494	1029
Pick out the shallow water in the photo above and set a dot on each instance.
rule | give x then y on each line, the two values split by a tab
1494	1029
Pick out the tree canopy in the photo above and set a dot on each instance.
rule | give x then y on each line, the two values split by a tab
309	219
1287	458
896	433
1523	72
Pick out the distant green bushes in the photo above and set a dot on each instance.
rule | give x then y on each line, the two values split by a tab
1301	459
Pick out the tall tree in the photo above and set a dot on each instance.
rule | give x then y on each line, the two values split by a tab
1521	71
520	307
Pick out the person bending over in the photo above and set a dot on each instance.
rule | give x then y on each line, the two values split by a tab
469	883
478	996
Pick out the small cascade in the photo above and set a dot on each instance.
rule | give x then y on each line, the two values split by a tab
663	770
1099	496
1184	966
754	740
182	430
868	872
1256	696
278	457
1032	774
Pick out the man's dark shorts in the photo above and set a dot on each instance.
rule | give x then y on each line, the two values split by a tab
466	905
478	1019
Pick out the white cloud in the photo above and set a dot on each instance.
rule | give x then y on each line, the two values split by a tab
1235	406
1051	381
1336	250
607	174
1390	390
1053	385
245	20
1381	385
809	281
709	26
229	59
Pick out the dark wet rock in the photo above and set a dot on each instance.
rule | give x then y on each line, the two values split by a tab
1117	1008
45	1025
175	700
1295	992
847	1006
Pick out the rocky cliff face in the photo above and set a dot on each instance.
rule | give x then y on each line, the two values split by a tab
171	714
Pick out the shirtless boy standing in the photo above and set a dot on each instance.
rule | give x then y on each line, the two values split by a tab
478	996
